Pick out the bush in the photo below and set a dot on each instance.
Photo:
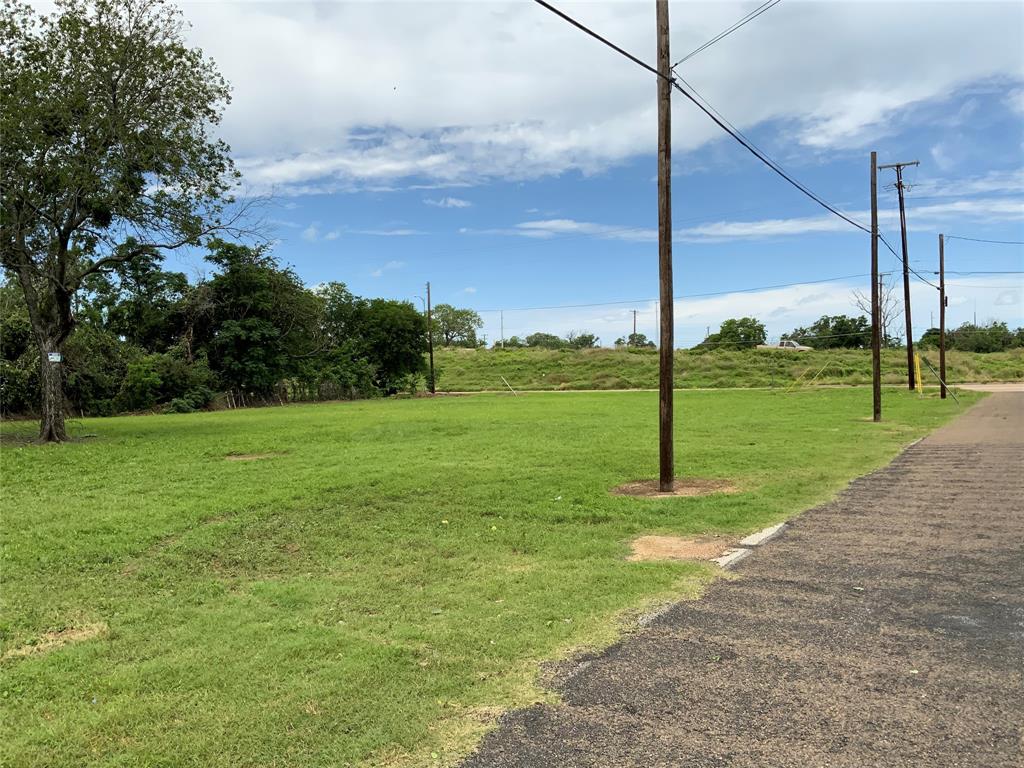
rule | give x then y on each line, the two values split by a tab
180	405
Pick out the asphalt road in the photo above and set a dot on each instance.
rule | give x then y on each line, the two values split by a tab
883	629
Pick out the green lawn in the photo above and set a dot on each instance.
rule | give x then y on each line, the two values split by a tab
472	370
375	591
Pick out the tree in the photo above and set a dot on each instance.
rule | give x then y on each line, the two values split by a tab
581	340
834	332
512	342
635	341
735	334
889	305
108	155
263	319
393	337
139	302
454	327
994	337
545	341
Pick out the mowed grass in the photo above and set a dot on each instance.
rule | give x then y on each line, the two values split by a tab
376	589
471	370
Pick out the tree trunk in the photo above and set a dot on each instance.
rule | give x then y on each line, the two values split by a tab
51	382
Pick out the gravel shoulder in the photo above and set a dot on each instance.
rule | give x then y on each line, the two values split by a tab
883	629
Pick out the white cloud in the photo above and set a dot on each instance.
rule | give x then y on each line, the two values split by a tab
314	234
919	218
327	96
993	182
1015	100
388	267
448	202
395	232
469	289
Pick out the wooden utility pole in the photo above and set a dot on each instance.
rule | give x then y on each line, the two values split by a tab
667	345
906	268
876	310
942	318
634	322
430	342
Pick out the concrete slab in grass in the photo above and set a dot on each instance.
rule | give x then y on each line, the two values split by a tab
731	557
762	536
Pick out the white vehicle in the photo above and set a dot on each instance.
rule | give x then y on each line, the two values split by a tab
787	344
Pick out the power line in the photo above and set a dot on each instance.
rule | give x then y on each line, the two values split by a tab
596	36
991	272
683	296
702	104
760	155
728	31
719	121
899	258
980	240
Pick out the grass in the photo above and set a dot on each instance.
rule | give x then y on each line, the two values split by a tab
470	370
385	581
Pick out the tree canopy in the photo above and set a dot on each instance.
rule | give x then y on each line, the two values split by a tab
107	117
453	327
736	333
834	332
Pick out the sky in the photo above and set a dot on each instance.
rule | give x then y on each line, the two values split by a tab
501	154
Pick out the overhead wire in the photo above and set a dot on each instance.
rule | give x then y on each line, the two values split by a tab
721	122
767	6
683	296
981	240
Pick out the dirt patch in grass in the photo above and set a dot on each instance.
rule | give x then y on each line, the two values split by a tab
678	548
252	456
683	486
51	641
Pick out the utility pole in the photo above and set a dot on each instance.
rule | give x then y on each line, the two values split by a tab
666	454
430	342
876	314
634	322
501	314
942	317
906	268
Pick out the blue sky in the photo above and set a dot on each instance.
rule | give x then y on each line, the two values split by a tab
509	159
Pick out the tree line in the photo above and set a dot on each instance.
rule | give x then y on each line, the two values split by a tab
252	332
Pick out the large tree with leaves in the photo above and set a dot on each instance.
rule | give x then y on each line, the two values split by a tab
106	119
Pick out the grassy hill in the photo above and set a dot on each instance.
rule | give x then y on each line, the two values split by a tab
468	370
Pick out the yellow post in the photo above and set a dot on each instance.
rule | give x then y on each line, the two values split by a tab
917	373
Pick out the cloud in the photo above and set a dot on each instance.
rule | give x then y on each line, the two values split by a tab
469	289
920	218
313	234
388	267
1015	100
396	232
506	90
993	182
448	202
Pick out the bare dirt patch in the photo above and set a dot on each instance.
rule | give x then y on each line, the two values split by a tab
52	640
252	456
678	548
683	486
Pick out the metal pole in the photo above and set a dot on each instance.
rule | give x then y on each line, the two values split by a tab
666	358
430	341
942	317
876	317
